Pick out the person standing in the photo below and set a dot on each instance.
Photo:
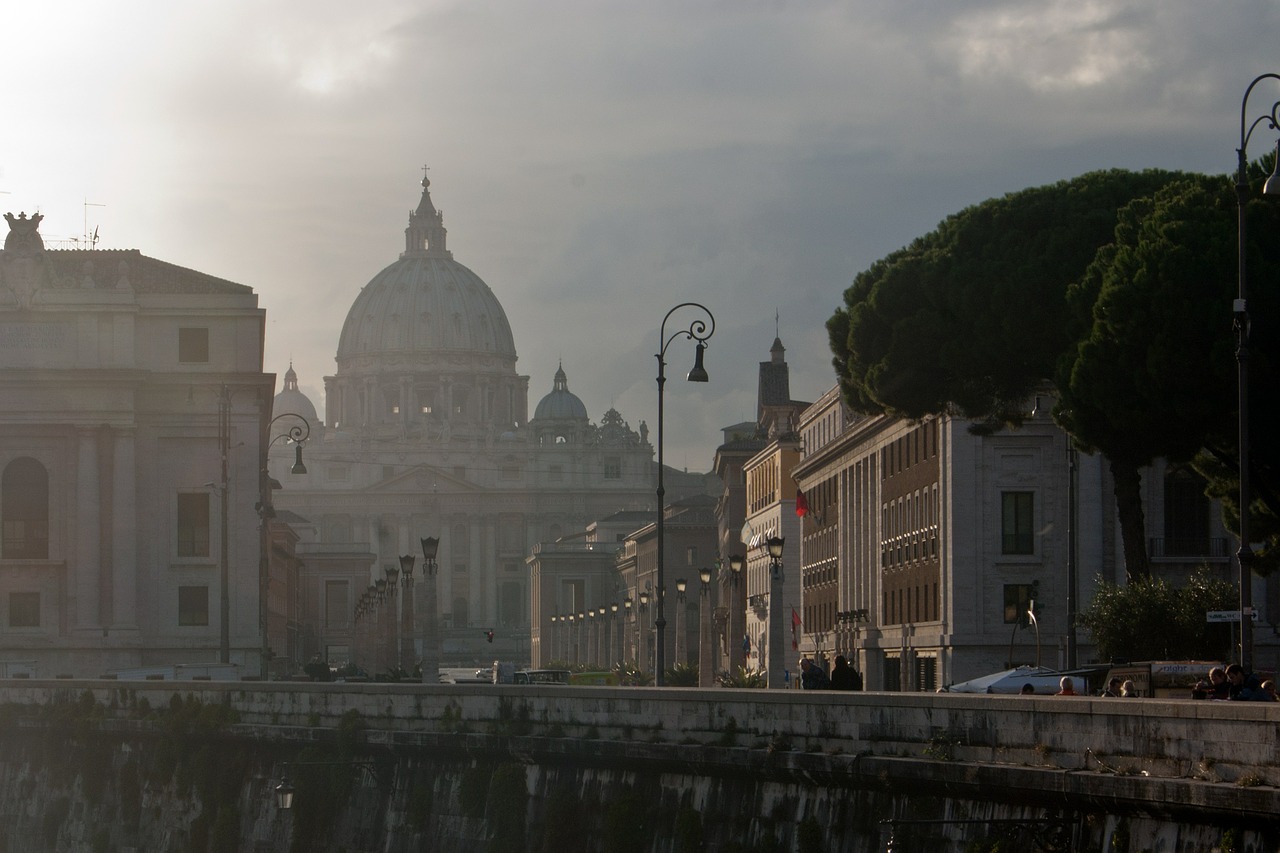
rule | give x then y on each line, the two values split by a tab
844	676
812	677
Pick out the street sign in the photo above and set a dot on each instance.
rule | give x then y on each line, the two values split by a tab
1228	615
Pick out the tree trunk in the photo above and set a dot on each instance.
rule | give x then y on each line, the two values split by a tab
1132	522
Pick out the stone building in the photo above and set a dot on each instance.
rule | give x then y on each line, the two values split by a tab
132	440
426	433
926	543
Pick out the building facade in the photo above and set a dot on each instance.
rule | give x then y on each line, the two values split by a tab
132	441
926	544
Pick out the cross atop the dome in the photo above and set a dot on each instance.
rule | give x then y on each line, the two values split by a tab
425	182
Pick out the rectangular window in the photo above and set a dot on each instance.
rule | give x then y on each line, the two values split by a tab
613	469
193	605
339	473
336	604
193	346
1016	523
556	474
24	610
193	524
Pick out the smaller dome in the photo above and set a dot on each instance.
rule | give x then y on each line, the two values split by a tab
561	403
291	401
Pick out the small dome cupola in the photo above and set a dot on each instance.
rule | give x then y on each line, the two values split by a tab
561	403
291	401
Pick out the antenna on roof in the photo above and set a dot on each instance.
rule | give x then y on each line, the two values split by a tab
91	240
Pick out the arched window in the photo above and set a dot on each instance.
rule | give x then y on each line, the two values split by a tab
24	507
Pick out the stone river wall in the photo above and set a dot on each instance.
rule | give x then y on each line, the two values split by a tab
100	766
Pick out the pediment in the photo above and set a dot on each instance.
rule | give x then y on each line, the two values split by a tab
423	479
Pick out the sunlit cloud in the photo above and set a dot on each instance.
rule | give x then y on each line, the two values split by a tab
1051	47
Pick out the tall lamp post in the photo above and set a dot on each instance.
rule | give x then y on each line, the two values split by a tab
1240	311
407	650
642	648
681	629
737	615
296	434
430	626
706	644
626	612
616	648
777	657
699	331
393	622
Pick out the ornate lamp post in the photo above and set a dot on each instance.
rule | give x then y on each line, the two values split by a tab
430	623
593	635
681	629
642	648
615	648
1240	310
737	615
626	608
297	433
408	651
380	637
699	331
602	658
572	656
393	621
777	656
706	643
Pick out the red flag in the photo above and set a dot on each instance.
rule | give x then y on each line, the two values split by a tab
802	505
795	629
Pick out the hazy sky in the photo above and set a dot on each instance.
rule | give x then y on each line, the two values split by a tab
597	162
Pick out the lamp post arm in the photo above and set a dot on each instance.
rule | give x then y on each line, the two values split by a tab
699	330
1247	128
297	433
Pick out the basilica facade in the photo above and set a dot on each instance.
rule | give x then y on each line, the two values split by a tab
426	432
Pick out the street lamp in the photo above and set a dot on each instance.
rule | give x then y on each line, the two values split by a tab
430	635
777	664
681	640
706	665
297	433
642	648
407	650
698	331
626	609
737	615
1240	310
602	640
615	650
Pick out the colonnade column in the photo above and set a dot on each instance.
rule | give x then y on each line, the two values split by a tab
124	522
88	559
